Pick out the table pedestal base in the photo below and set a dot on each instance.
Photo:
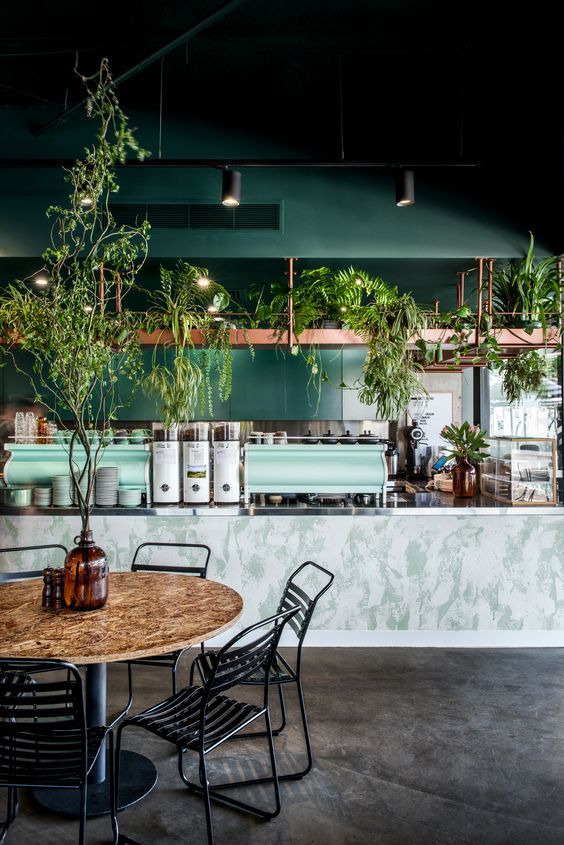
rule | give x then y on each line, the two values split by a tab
137	777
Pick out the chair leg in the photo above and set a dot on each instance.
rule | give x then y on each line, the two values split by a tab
83	799
304	772
206	795
115	790
11	812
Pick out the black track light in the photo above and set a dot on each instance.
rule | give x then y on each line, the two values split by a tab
231	187
405	187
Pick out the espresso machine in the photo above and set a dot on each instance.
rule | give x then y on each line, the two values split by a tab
166	464
226	459
196	463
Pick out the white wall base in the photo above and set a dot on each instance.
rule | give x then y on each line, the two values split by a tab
422	639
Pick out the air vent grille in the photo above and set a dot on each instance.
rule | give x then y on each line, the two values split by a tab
250	216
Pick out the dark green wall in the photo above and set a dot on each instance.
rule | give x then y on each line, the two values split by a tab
272	386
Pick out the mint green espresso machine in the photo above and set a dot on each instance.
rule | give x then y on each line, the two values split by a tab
36	463
316	468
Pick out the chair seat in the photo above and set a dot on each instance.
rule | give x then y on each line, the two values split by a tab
177	719
51	759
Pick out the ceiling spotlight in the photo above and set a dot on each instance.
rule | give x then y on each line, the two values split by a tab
358	282
231	187
343	308
405	187
41	281
88	308
213	309
203	282
86	202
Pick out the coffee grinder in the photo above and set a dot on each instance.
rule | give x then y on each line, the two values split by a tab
196	463
166	464
226	458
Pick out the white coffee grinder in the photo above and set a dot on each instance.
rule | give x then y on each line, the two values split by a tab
226	457
196	463
166	464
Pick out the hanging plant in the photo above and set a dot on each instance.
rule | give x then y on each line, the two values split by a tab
524	374
527	292
186	301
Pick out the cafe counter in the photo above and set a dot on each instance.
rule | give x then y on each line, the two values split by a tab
426	569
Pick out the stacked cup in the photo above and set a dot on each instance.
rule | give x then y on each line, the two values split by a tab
62	494
41	497
107	479
130	497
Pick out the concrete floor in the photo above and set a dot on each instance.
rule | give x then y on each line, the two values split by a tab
412	747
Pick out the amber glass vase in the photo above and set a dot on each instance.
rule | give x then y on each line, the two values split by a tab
463	479
86	575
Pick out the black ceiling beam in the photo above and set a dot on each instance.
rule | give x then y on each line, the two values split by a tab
194	30
237	162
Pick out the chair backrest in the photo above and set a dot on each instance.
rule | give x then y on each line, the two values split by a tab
202	570
42	723
15	575
238	660
294	595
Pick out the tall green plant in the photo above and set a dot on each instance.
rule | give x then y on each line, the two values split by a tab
79	339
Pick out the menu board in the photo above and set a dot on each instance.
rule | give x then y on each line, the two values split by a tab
432	414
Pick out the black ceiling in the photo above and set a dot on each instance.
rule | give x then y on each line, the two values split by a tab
435	81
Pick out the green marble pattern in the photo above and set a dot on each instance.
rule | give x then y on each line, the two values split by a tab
396	573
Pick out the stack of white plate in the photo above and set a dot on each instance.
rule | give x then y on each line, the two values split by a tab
62	496
41	497
107	486
130	497
83	485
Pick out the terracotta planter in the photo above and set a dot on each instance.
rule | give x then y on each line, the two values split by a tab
463	479
86	575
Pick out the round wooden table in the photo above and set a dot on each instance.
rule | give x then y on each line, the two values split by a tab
146	614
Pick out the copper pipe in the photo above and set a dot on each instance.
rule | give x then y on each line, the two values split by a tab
460	287
102	294
118	294
559	272
290	302
480	303
437	303
490	263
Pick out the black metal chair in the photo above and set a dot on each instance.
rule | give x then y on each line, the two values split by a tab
29	573
282	672
44	741
171	659
201	719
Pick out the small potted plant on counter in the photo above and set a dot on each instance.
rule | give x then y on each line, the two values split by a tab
468	443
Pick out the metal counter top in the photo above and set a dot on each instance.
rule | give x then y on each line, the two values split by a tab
416	504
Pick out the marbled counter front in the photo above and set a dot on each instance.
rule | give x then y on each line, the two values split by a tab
458	576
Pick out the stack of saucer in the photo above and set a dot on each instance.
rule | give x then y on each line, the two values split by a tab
130	497
107	486
62	497
41	497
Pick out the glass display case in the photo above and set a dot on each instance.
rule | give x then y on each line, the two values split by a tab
520	470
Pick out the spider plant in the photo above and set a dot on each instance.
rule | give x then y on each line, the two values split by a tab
524	373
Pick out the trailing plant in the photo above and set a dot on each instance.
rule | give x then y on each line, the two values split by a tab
525	373
466	441
79	338
528	291
184	377
391	370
